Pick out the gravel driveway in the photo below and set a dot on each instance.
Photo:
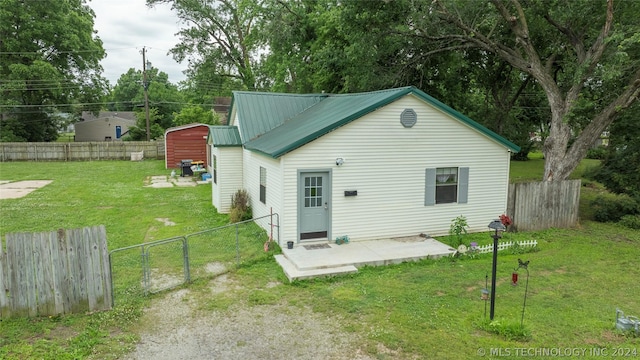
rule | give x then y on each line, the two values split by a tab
180	331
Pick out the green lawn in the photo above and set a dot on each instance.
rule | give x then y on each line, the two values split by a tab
533	169
424	310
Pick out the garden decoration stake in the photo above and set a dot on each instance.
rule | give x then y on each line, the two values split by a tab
514	281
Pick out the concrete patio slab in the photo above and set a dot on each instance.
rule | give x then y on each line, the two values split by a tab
18	189
331	259
163	181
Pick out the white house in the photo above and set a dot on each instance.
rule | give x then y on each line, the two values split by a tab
370	165
107	126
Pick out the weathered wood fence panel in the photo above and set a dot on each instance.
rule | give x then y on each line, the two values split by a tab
80	151
54	273
543	205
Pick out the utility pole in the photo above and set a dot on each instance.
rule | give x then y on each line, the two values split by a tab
145	85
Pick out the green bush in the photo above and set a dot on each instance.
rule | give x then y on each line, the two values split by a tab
613	207
240	207
630	221
598	153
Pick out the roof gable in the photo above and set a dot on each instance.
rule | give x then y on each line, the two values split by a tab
221	136
329	112
260	112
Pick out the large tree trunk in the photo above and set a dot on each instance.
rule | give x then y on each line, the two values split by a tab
555	149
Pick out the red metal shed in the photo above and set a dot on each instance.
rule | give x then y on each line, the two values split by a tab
186	142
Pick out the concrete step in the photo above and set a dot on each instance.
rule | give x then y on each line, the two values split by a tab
293	273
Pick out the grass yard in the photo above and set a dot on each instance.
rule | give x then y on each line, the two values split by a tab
424	310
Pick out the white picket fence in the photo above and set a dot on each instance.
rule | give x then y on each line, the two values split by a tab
504	245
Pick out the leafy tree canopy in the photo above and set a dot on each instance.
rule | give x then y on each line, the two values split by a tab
219	35
195	114
139	131
49	61
128	95
620	171
584	55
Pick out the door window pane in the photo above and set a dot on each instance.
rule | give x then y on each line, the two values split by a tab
313	191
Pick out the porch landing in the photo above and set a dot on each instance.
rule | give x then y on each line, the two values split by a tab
327	258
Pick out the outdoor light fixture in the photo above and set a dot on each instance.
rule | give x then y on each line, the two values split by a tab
339	161
499	228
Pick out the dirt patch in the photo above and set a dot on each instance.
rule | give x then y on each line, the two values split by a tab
215	268
178	330
166	221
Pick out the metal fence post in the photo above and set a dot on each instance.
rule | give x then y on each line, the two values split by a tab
146	275
237	246
185	254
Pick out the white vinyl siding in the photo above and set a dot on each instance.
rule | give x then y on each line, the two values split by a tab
252	164
385	163
229	176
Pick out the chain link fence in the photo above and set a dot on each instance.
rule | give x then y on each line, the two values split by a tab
139	270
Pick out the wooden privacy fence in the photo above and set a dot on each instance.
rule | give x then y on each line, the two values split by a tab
79	151
59	272
543	205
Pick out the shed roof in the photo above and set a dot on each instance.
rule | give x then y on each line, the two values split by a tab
320	114
221	136
182	127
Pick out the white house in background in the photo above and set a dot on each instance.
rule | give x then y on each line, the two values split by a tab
107	126
370	165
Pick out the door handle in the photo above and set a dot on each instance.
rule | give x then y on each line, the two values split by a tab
326	206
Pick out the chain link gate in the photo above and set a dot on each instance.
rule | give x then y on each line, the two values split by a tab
168	263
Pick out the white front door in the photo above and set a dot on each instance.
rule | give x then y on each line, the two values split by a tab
314	204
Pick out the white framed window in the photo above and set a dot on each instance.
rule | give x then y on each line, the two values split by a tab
263	185
215	169
446	185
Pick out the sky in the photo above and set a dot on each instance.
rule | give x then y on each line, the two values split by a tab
126	26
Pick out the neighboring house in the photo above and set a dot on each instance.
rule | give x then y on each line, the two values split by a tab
372	165
186	142
107	126
221	107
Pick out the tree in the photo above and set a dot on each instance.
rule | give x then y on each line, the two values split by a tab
221	36
49	62
619	170
139	131
195	114
128	95
583	54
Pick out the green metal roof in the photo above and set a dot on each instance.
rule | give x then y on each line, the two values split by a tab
260	112
221	136
328	113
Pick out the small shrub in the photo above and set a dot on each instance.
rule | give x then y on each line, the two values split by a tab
457	229
613	207
598	153
240	207
630	221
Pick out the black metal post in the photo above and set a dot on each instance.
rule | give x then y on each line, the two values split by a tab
526	289
486	280
494	267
